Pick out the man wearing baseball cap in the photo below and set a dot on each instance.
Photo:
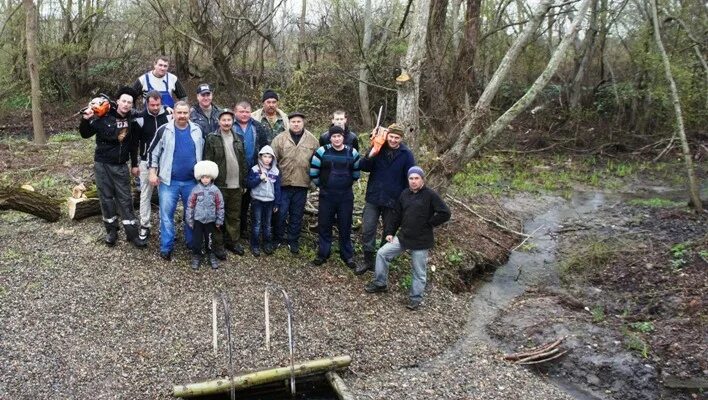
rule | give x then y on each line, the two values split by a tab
204	113
418	210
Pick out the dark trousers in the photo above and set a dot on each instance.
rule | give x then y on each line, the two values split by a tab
201	235
231	231
113	185
245	202
335	207
291	211
370	223
261	214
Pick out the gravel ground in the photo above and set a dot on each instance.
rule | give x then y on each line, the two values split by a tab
80	320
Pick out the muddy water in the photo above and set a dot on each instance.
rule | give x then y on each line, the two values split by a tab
545	220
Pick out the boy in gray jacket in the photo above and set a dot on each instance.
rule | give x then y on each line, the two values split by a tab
264	181
205	211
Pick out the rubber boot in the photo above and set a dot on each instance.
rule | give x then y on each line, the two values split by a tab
133	236
213	261
196	260
111	233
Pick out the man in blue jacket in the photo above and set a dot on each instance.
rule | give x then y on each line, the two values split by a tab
387	179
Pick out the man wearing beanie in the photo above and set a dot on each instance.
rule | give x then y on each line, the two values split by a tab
273	118
293	150
387	179
417	211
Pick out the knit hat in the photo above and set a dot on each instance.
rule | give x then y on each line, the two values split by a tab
208	168
416	170
336	130
269	94
296	114
396	129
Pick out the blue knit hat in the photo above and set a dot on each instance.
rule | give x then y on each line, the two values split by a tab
416	170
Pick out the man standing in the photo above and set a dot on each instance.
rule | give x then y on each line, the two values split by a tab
167	84
387	179
270	116
226	150
339	118
334	168
146	123
176	148
254	136
293	150
418	210
115	144
205	114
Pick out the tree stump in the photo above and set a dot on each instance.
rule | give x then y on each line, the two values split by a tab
27	201
83	208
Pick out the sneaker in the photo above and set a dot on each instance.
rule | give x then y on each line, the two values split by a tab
373	287
268	249
212	260
196	260
236	248
352	264
414	304
167	256
255	252
294	248
220	253
319	261
144	233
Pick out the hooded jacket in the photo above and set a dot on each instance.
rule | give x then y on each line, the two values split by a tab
110	149
145	126
268	189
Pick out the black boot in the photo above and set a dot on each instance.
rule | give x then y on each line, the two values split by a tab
370	260
196	260
213	261
133	236
111	233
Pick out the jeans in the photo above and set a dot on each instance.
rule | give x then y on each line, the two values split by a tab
291	209
419	259
261	214
145	194
335	207
169	194
369	224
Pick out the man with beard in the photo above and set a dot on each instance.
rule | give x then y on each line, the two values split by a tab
116	143
176	148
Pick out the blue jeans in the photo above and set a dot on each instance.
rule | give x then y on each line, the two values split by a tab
419	259
339	207
261	213
291	209
169	194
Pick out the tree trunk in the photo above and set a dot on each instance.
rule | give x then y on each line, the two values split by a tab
501	123
364	69
301	35
464	65
260	377
576	90
455	18
409	82
29	202
32	57
83	208
692	181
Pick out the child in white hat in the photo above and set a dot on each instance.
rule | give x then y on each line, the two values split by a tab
205	211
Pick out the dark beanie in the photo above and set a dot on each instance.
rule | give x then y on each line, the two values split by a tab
269	94
336	129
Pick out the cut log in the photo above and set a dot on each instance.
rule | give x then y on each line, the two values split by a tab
260	377
83	208
339	387
29	202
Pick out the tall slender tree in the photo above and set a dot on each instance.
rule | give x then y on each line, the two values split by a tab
33	65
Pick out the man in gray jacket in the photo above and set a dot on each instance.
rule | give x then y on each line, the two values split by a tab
176	148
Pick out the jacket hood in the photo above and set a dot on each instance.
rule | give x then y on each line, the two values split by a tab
268	150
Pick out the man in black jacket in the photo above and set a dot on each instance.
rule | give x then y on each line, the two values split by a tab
115	144
418	210
339	118
145	125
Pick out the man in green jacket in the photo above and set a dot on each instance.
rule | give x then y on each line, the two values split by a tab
226	149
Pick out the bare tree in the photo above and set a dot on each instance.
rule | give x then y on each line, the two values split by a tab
364	67
32	64
692	181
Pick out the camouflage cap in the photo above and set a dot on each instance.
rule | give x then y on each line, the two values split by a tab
396	129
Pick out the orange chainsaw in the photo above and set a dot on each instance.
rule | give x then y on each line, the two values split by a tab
378	136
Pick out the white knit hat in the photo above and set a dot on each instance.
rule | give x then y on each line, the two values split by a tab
208	168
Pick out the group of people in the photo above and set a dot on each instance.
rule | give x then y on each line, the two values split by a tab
221	162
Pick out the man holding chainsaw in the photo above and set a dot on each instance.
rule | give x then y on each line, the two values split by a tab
387	179
116	143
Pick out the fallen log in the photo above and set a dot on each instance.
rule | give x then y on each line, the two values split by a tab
339	387
30	202
257	378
